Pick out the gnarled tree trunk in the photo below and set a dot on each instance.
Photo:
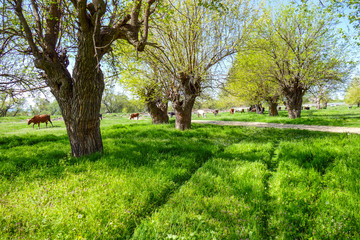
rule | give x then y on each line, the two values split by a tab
325	105
318	103
158	111
294	103
183	104
183	117
259	108
273	109
273	103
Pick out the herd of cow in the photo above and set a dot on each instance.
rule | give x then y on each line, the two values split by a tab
45	118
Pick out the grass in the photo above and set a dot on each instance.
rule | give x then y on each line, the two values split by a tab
333	116
153	182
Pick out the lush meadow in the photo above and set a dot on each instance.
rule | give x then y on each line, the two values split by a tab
153	182
332	116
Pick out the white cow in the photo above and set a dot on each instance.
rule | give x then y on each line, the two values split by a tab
201	113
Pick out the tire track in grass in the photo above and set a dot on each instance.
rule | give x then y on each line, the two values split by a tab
271	167
166	196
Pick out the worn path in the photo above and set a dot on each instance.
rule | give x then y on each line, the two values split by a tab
280	125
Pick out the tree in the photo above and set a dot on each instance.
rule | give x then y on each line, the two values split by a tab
250	79
51	31
195	37
43	105
323	89
7	102
353	92
303	49
141	79
114	103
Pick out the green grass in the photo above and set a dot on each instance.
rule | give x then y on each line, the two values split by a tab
153	182
333	116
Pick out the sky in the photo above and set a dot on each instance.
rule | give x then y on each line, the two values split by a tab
345	25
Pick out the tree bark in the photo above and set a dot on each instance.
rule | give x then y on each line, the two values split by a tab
294	98
318	103
325	105
259	109
183	118
80	104
273	109
158	111
184	103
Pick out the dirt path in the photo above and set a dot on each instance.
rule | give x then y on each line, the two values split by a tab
280	125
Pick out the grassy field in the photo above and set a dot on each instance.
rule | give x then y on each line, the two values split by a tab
333	116
153	182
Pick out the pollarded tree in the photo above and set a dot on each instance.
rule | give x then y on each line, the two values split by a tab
303	48
353	92
323	89
195	37
145	84
8	102
141	78
50	30
251	80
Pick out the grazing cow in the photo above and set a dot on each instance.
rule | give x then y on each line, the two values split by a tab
215	112
134	115
279	108
40	119
100	116
171	114
201	113
231	111
307	108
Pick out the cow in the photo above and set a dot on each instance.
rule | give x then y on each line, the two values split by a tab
231	111
134	115
100	116
350	106
279	108
307	108
201	113
253	110
45	118
215	112
242	111
171	114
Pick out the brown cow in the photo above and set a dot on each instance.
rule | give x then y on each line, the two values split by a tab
215	112
242	111
232	111
40	119
134	115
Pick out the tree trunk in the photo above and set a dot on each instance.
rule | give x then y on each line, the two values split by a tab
259	109
318	103
294	102
183	118
183	100
158	111
325	105
273	109
80	108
